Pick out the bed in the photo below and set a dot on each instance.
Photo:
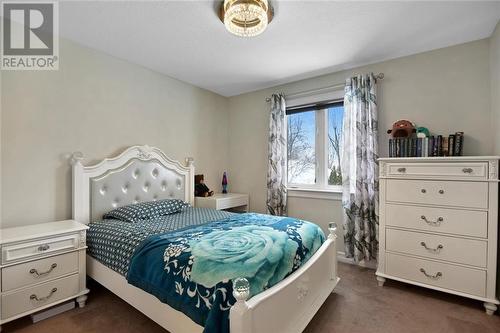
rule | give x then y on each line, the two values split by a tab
142	174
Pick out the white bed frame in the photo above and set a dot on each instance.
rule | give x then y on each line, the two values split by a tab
143	173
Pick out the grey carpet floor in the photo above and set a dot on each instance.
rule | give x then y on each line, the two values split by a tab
358	306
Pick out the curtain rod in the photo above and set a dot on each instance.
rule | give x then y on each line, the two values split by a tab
379	76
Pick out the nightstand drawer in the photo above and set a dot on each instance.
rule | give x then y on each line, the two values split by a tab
41	295
231	202
35	249
222	201
37	271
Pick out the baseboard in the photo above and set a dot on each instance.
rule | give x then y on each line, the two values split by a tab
367	264
53	311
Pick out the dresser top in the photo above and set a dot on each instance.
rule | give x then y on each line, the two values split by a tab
15	234
440	159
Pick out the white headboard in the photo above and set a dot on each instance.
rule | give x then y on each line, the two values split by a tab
139	174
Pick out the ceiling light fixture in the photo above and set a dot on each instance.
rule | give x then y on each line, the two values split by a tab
246	18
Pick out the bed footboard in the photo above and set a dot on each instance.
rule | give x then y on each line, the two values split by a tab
291	304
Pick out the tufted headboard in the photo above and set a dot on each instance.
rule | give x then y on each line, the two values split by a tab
140	173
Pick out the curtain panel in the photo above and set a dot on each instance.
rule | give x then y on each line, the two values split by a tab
277	152
359	168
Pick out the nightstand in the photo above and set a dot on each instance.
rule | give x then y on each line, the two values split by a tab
229	201
41	265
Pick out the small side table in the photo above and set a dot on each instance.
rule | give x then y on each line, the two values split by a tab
41	265
229	201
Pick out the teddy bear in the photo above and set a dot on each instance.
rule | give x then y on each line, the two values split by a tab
200	189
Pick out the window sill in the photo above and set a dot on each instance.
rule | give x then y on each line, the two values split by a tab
324	194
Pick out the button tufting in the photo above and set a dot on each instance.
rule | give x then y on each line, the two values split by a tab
164	185
136	173
154	173
103	190
178	183
125	188
137	199
146	186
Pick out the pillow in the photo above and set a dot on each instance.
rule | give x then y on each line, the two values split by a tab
146	210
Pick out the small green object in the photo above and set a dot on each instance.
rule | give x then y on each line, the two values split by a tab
422	132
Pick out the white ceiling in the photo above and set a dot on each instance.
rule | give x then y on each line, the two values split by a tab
186	40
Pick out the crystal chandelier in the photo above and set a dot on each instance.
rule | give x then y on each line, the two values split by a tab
246	18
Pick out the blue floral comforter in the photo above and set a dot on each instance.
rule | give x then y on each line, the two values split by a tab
191	269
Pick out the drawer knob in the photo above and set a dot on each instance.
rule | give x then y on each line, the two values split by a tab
401	169
467	170
441	191
436	250
434	277
41	299
35	272
43	247
423	190
433	223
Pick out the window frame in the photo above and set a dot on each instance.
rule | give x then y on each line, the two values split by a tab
321	189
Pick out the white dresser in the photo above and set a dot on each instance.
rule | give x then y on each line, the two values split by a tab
439	224
41	265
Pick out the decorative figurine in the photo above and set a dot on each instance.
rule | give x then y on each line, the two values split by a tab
224	183
200	189
402	129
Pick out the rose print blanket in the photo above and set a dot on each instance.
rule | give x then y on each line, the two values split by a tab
192	269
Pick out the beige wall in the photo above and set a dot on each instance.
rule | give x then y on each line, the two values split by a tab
446	90
98	105
495	85
321	211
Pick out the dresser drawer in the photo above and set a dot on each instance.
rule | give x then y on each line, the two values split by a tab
38	296
448	276
435	192
445	220
457	250
34	249
464	170
38	271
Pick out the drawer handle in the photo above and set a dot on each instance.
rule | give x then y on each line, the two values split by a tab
41	299
34	271
434	277
467	170
401	169
44	247
441	191
436	250
436	223
423	190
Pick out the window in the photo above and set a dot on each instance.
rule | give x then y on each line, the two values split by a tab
313	148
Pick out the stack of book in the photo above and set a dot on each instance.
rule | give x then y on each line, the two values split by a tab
429	146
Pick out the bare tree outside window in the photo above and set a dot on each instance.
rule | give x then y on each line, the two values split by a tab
300	148
307	164
335	116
